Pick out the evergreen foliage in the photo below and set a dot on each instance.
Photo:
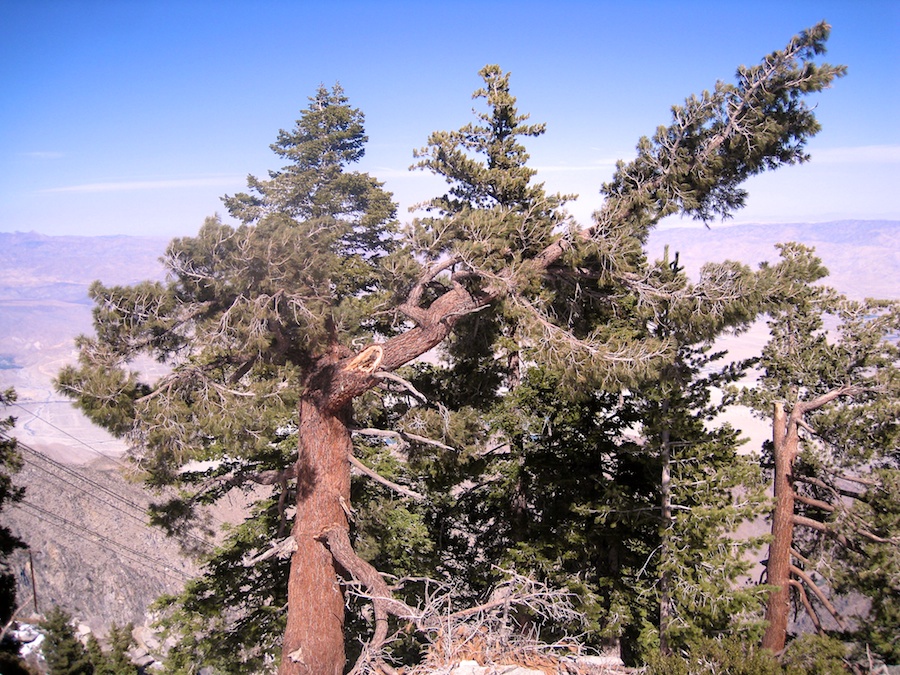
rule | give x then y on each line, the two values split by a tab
63	652
10	463
114	660
572	373
731	656
833	364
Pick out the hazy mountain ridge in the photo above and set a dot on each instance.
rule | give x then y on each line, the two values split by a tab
33	260
862	256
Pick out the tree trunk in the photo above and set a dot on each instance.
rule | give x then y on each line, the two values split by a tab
778	567
314	636
665	574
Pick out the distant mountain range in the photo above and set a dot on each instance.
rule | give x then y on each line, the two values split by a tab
862	256
44	302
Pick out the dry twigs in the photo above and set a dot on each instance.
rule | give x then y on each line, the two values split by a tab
506	628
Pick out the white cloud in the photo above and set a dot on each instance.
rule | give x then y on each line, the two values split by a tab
130	186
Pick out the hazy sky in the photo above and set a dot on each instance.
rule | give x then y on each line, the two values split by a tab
136	116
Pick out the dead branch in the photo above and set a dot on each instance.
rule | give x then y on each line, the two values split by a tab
837	536
796	571
404	436
240	476
803	407
283	548
12	619
871	482
796	554
374	475
807	605
836	492
816	503
411	308
383	603
406	384
485	623
803	521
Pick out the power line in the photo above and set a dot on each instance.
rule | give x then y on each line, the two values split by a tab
88	446
66	433
72	472
86	492
116	496
101	540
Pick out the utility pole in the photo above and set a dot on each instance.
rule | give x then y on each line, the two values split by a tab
33	584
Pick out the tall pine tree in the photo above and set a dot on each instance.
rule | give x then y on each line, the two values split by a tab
829	384
279	326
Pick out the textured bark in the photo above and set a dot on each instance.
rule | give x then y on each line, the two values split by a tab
778	567
314	640
314	636
786	443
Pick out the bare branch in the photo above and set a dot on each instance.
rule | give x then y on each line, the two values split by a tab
804	407
807	605
383	602
283	548
840	538
406	384
406	492
403	436
816	503
820	595
242	475
411	308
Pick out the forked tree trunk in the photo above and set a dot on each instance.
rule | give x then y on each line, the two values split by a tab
314	636
778	567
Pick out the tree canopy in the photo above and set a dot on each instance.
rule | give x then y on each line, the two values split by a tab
291	347
10	493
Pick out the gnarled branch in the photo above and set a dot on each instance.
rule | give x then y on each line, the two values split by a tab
374	475
803	576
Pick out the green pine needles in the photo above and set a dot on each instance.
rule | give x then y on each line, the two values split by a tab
566	424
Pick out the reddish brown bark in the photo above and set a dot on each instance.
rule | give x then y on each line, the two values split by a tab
314	636
786	443
314	640
778	567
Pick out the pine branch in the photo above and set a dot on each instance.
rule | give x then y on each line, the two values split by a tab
807	605
403	436
406	384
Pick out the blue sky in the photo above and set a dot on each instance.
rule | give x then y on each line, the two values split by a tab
136	116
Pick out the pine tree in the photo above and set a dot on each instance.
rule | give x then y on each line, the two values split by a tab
10	463
115	660
830	384
707	488
280	328
630	497
64	654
